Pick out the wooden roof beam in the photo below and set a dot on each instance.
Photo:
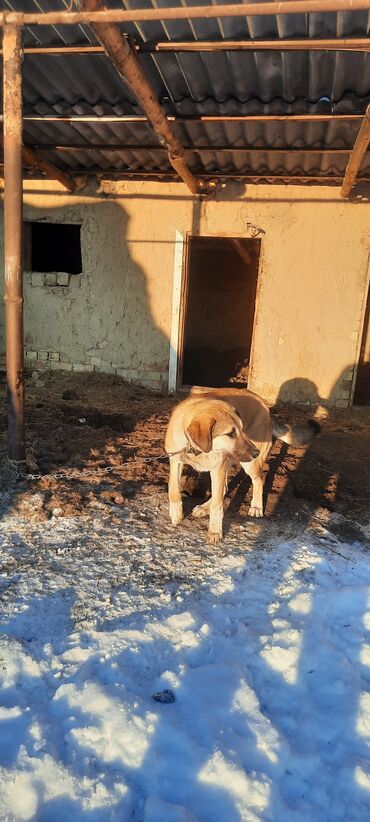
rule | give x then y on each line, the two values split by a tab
152	47
123	57
357	155
189	119
102	15
32	160
209	149
168	176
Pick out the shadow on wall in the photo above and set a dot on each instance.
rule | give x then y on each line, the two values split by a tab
301	390
107	317
103	322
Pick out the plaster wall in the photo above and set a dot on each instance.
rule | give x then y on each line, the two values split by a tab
116	315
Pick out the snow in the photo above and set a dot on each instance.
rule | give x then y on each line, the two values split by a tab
265	644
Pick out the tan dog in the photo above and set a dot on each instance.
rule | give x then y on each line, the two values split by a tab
211	430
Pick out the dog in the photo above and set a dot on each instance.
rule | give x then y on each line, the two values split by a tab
211	430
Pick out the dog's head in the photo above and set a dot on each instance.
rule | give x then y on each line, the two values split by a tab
216	426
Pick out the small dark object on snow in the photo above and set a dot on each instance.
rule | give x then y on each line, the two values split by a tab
166	696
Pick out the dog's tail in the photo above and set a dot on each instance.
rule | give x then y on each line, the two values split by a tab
295	434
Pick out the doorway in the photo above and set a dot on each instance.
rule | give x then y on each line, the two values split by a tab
362	389
220	299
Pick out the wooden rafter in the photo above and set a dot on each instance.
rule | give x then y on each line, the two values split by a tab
207	149
201	118
31	159
123	57
152	47
358	152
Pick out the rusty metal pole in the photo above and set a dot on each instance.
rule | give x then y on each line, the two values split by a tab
12	54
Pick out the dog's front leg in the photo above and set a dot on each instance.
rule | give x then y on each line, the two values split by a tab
203	509
174	493
216	508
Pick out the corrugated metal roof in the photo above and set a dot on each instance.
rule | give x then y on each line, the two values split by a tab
194	84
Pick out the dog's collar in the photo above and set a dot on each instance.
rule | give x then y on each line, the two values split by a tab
191	450
188	450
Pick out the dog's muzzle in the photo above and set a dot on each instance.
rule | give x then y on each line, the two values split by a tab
248	454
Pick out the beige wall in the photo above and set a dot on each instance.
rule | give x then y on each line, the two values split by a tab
116	315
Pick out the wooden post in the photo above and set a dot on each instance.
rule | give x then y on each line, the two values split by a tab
12	55
358	152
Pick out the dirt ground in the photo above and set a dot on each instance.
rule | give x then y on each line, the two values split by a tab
96	433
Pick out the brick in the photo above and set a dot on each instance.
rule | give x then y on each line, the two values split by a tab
63	278
39	365
42	355
82	367
37	278
31	355
61	366
95	360
54	355
129	372
349	373
105	369
51	278
152	375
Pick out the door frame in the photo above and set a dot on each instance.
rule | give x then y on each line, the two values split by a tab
366	296
180	294
177	289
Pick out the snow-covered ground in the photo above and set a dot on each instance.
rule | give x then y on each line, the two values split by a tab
265	645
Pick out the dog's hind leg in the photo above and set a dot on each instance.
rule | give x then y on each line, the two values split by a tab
201	510
216	507
254	469
174	493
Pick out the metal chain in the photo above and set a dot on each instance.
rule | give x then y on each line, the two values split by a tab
84	473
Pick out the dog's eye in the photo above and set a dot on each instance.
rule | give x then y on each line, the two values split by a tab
231	433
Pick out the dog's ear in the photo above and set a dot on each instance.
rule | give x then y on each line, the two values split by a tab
200	433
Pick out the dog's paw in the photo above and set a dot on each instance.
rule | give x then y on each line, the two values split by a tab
255	511
214	536
200	510
176	513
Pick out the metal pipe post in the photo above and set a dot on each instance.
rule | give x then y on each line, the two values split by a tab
12	55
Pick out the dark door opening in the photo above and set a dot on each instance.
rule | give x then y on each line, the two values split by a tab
362	389
220	303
